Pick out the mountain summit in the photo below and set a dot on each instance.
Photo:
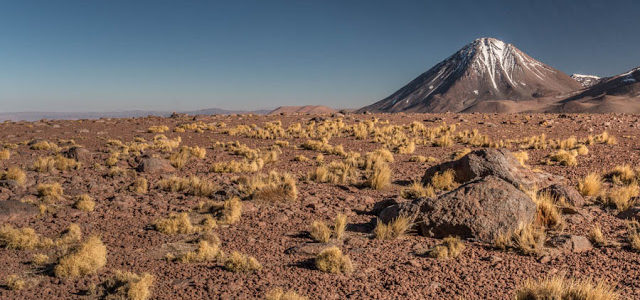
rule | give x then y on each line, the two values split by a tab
486	69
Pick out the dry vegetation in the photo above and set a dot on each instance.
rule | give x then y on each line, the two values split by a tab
239	181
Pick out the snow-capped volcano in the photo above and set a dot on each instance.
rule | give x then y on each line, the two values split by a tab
486	69
586	80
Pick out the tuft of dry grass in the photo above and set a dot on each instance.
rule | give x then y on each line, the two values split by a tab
175	224
380	177
331	260
547	213
590	185
43	145
451	247
339	226
130	286
422	159
206	251
621	197
564	158
279	294
72	235
140	186
5	154
320	232
238	262
227	212
417	190
392	230
623	174
158	129
40	259
460	153
84	202
522	157
50	192
22	238
633	235
87	258
14	173
44	164
559	287
271	187
337	172
444	180
15	283
191	185
529	239
596	237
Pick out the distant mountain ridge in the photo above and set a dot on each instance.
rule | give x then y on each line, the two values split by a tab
305	109
34	116
485	70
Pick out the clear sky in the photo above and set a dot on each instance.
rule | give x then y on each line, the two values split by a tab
181	55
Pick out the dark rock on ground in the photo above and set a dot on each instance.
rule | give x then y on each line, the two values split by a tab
12	210
571	196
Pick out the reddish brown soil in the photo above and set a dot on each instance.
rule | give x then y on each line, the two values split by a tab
274	233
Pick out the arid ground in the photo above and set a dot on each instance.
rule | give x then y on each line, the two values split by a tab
144	230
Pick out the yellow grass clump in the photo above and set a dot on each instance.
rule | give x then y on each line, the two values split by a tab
336	172
444	180
5	154
43	145
559	287
140	186
394	229
227	212
206	251
130	286
14	173
50	192
422	159
40	259
191	185
417	190
596	236
22	238
339	226
15	283
529	239
233	166
522	157
158	129
331	260
451	247
547	213
590	185
238	262
380	177
84	202
72	235
279	294
564	158
460	153
270	187
320	232
87	258
621	197
44	164
175	224
623	174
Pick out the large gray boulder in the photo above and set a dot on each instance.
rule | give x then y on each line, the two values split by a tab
490	200
497	162
480	209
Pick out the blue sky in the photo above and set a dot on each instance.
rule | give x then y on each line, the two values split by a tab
182	55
